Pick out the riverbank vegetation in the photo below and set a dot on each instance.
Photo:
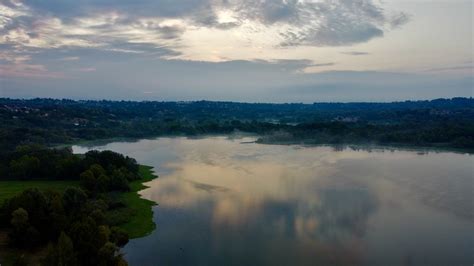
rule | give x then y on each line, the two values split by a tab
140	220
447	123
60	208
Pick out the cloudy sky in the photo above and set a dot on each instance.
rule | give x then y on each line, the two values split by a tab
238	50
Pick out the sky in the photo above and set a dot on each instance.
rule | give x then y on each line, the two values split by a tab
237	50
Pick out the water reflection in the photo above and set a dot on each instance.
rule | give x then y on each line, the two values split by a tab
226	203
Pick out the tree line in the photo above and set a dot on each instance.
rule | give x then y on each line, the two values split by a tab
442	122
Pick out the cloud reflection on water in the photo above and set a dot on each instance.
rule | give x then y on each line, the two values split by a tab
226	203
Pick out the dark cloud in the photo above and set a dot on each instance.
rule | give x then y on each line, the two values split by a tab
344	33
268	12
137	8
399	20
323	64
337	23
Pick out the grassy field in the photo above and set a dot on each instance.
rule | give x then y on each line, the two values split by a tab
141	222
9	189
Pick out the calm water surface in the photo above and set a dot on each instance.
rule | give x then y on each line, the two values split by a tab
224	202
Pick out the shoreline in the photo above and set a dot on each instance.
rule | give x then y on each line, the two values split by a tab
259	140
373	146
141	223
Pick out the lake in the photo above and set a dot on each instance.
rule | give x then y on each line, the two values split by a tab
225	201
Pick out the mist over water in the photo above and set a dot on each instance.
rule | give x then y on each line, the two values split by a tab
222	201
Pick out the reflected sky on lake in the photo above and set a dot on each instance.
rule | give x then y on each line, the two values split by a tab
225	202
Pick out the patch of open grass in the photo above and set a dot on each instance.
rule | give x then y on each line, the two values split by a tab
11	188
139	210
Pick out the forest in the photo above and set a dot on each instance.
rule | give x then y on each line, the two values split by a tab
80	225
447	123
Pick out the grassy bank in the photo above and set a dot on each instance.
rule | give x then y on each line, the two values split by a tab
140	222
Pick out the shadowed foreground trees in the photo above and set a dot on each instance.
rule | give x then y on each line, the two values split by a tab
72	225
61	253
75	225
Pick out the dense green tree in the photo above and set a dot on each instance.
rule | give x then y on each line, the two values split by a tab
109	255
88	180
19	220
75	221
84	234
103	183
24	167
118	236
61	254
23	234
74	199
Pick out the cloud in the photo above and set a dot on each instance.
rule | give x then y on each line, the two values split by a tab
69	58
269	12
35	30
210	49
294	63
355	53
101	24
375	86
399	20
337	23
451	68
238	80
468	65
19	66
27	71
323	64
86	69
